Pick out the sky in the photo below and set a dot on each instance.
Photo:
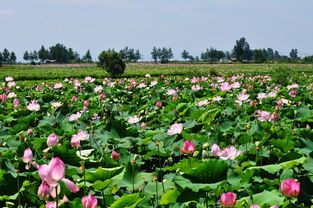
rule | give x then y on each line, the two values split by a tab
193	25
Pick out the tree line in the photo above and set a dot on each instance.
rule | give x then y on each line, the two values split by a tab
241	52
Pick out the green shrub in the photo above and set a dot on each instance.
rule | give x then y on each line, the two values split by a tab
112	62
308	60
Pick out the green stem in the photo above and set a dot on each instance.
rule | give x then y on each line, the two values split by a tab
189	162
157	193
56	197
160	168
84	181
18	188
206	200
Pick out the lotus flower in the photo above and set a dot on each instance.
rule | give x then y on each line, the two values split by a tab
255	206
44	190
133	120
33	106
51	204
290	188
216	150
28	155
89	201
188	148
292	93
159	104
52	140
228	199
175	129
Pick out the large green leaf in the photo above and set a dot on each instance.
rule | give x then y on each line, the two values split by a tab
271	198
127	201
210	171
184	165
169	197
103	174
195	187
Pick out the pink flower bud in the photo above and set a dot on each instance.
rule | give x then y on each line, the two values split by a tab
52	140
29	131
102	96
28	155
44	190
174	98
86	103
188	147
274	117
228	199
115	156
255	206
143	125
290	188
252	103
292	93
162	75
159	104
74	98
89	201
38	88
16	102
280	103
3	97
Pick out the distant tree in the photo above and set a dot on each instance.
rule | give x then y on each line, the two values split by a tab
12	57
60	53
1	59
87	57
112	62
6	55
228	55
260	55
155	54
293	54
137	55
165	55
43	54
270	54
308	60
130	55
33	56
242	50
185	55
212	55
26	56
276	55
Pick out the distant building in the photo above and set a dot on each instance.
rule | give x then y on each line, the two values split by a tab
232	60
51	61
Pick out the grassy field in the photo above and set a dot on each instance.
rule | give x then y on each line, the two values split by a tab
52	72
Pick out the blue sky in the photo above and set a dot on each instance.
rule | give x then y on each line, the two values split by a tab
193	25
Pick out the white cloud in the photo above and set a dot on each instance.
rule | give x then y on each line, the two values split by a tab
6	13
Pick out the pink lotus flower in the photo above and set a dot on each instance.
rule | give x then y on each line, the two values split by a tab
80	136
228	199
280	103
290	188
28	155
188	147
75	116
242	97
37	88
292	93
217	98
274	206
98	89
70	185
58	85
133	120
33	106
230	153
255	206
203	103
115	156
171	92
175	129
261	96
44	190
8	79
51	204
143	125
196	87
147	75
263	115
274	117
159	104
52	140
89	201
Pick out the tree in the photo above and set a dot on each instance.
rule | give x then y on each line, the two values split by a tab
59	53
130	55
276	55
270	54
26	56
155	54
185	55
137	55
112	62
212	55
242	50
260	55
5	55
43	54
165	55
87	57
12	57
33	56
293	54
1	59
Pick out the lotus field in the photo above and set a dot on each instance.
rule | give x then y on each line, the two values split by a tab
211	141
